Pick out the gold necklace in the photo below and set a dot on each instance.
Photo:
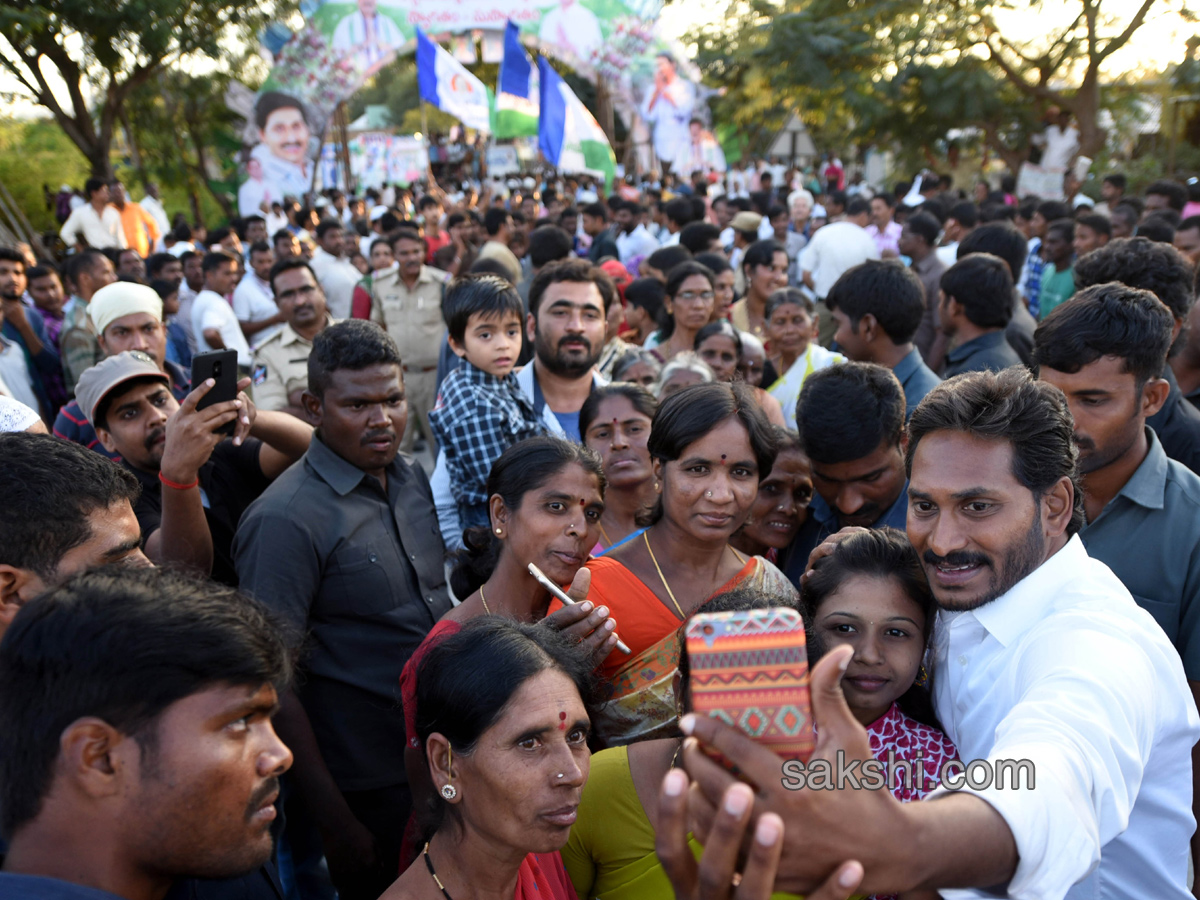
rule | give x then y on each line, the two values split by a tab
484	599
657	568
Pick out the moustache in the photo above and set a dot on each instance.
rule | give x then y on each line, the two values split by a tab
376	435
955	559
576	339
259	797
1083	442
153	437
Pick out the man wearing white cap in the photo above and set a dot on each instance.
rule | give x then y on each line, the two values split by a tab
125	316
195	483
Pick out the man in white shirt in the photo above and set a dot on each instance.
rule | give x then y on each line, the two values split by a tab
367	36
1060	140
336	274
213	320
669	108
632	237
1041	657
254	301
153	205
95	223
837	247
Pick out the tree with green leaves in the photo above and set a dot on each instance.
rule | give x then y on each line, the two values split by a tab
103	52
910	70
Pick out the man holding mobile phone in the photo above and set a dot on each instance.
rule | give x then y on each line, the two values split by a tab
195	484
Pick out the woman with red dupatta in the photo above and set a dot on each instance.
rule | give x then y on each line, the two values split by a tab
503	724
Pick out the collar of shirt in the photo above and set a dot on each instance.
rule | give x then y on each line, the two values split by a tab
983	342
907	366
1147	486
288	335
1012	614
341	475
921	266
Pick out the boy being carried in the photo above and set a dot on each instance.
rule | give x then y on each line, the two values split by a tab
481	410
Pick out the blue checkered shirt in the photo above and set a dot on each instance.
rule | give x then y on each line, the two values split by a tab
478	416
1034	265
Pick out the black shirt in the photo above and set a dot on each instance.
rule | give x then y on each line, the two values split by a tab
1177	425
230	481
360	572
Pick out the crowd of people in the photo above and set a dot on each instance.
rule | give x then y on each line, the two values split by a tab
292	645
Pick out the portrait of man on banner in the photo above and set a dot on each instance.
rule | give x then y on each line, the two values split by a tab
283	152
367	35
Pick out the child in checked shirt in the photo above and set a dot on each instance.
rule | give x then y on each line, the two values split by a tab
480	410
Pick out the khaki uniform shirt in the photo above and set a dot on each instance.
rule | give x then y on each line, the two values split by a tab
281	367
413	318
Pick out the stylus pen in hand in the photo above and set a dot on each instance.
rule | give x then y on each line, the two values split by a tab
562	595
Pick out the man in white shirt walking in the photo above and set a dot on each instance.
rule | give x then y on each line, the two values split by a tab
837	247
213	320
336	274
1043	664
95	223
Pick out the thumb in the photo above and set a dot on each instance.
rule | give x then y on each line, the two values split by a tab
580	585
837	727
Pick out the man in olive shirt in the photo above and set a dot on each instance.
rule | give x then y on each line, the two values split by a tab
1105	349
345	547
280	370
407	301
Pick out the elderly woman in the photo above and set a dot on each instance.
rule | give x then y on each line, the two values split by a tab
711	445
683	371
615	422
502	722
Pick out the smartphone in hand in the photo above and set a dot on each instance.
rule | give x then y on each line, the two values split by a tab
221	367
749	669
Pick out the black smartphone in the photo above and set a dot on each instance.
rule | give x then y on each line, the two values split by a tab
221	367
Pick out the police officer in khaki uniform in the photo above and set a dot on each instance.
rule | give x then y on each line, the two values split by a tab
280	370
407	301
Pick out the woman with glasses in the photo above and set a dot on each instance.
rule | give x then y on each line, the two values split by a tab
689	306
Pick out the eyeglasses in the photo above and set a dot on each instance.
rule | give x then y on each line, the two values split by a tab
689	296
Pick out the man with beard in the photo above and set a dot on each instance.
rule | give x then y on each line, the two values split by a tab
568	305
407	302
280	369
136	745
195	484
345	547
851	422
1069	700
1106	349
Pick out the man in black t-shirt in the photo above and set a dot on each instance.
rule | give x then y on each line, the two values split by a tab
195	483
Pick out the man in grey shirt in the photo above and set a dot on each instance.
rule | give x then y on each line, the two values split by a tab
345	547
1105	349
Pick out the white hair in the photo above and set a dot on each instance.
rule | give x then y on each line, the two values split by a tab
687	361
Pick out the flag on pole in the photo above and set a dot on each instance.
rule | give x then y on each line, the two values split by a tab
443	81
517	91
568	135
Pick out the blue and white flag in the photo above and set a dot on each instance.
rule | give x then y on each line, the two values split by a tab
517	92
443	81
568	135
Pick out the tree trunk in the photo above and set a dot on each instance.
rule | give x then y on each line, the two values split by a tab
1085	106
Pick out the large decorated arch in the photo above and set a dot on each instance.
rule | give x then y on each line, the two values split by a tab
344	42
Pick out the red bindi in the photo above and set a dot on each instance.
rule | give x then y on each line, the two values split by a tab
562	721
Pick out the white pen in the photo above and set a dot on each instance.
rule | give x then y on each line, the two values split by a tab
563	596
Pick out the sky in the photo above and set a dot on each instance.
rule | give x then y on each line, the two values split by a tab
1158	43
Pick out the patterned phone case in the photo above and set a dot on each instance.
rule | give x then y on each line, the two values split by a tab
750	670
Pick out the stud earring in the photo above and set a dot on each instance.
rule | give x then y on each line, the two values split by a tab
449	791
499	531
